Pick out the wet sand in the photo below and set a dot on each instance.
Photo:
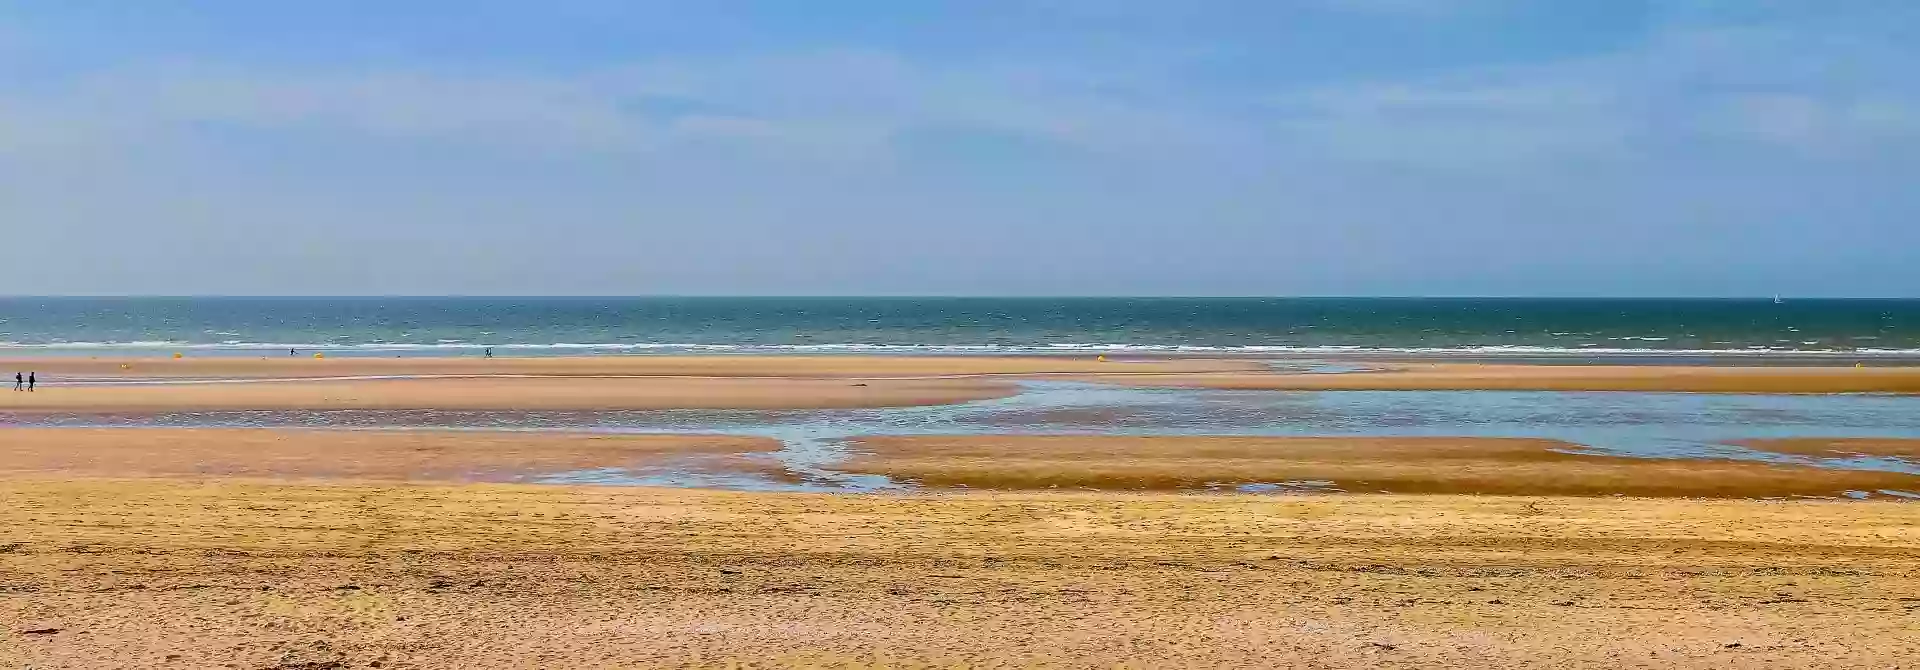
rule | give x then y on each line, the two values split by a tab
1446	465
1840	447
796	382
832	367
161	574
576	383
508	393
419	456
1442	465
1468	376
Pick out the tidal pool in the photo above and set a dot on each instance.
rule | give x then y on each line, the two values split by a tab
1646	425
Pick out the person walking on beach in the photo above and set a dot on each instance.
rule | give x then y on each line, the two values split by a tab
18	382
31	380
489	352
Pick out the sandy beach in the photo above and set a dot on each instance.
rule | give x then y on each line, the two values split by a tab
329	548
274	575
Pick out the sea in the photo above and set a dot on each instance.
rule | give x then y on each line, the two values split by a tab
1476	327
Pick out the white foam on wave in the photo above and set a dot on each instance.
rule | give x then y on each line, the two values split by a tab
136	344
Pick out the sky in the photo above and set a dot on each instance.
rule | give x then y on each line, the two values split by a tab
991	147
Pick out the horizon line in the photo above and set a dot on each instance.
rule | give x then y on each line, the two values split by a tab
904	296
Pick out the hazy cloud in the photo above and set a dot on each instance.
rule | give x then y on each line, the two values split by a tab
1052	148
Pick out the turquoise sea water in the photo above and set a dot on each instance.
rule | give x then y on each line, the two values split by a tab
535	326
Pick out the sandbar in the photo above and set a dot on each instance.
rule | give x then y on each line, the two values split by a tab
1840	447
1450	465
109	384
161	574
848	366
376	455
510	393
1503	377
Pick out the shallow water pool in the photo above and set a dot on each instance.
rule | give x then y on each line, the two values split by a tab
1649	425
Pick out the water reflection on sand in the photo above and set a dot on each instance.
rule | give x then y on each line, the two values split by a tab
1650	425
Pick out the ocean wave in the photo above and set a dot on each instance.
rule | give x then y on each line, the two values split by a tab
1585	350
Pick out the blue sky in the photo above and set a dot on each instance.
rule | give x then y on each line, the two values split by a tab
1303	147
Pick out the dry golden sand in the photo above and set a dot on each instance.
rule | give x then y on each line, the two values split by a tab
164	574
1355	464
452	456
1465	376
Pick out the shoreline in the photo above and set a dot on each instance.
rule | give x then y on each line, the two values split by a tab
28	359
797	366
817	382
579	383
509	393
920	464
1513	377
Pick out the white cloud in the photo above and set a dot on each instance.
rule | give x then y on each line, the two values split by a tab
1818	127
509	111
1751	86
832	106
1829	94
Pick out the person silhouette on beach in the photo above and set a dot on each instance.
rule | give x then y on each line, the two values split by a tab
18	382
489	352
31	380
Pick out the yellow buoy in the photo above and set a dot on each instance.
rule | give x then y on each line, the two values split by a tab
1103	358
178	355
319	355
